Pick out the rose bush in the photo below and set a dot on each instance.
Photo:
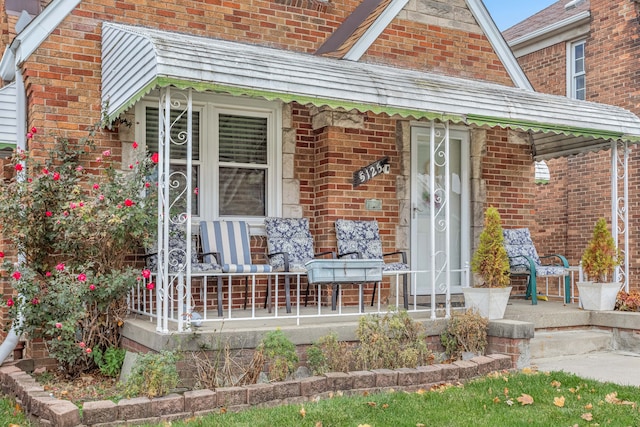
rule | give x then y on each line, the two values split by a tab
74	233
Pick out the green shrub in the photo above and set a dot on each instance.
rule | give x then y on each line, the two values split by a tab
330	355
392	341
153	375
109	362
465	332
279	354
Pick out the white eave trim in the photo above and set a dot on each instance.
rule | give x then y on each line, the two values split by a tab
374	31
545	31
499	44
25	43
558	32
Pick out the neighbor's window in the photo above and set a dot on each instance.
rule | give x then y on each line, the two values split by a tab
542	173
577	76
234	158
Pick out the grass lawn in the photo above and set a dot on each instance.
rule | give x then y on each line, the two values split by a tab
11	414
506	399
521	399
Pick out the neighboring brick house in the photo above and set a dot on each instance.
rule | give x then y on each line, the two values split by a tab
585	49
334	86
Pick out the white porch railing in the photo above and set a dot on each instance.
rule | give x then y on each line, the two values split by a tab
183	316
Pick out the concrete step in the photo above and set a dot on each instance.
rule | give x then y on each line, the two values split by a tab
572	342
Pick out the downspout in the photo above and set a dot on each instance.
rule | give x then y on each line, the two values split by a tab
13	336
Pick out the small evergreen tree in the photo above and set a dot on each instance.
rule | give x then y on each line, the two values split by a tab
490	260
601	256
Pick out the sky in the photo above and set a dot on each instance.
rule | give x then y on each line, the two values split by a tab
507	13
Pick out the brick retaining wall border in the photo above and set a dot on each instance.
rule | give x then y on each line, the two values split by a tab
44	410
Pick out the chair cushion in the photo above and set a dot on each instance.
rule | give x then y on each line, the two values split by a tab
518	242
246	268
395	266
362	237
229	238
291	236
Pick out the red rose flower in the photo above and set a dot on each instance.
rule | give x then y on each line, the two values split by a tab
154	157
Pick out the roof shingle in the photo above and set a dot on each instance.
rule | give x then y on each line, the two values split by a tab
546	17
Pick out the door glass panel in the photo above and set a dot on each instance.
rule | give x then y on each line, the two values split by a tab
440	222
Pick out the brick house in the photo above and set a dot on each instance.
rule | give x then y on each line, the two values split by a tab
334	85
584	49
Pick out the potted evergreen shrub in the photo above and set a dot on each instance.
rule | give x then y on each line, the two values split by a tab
490	263
599	262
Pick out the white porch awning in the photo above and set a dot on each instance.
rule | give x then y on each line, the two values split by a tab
136	60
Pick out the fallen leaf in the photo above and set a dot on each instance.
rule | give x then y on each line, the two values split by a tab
587	417
319	424
339	393
385	406
527	371
420	391
612	398
572	390
509	402
555	384
365	393
559	401
525	399
588	406
223	410
364	425
496	399
14	425
303	412
420	425
372	404
506	392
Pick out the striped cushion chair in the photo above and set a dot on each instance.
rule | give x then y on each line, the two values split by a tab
361	239
228	241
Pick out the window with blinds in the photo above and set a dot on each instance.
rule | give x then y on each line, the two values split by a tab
243	160
233	158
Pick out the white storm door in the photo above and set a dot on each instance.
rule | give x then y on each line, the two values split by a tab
440	224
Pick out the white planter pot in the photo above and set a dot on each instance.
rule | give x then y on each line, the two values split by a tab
598	296
489	302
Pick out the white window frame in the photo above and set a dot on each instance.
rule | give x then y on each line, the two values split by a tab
572	75
210	106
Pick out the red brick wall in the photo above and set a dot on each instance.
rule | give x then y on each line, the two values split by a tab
580	192
508	173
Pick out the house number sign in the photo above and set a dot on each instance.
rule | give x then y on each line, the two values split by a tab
368	172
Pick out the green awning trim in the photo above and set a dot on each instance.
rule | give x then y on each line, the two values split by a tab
7	146
525	125
284	97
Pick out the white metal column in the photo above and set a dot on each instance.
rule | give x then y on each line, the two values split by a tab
619	205
173	290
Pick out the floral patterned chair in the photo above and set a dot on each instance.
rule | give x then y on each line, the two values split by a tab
228	242
289	247
524	261
361	239
178	254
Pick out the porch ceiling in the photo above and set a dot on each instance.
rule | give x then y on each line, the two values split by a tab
136	60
